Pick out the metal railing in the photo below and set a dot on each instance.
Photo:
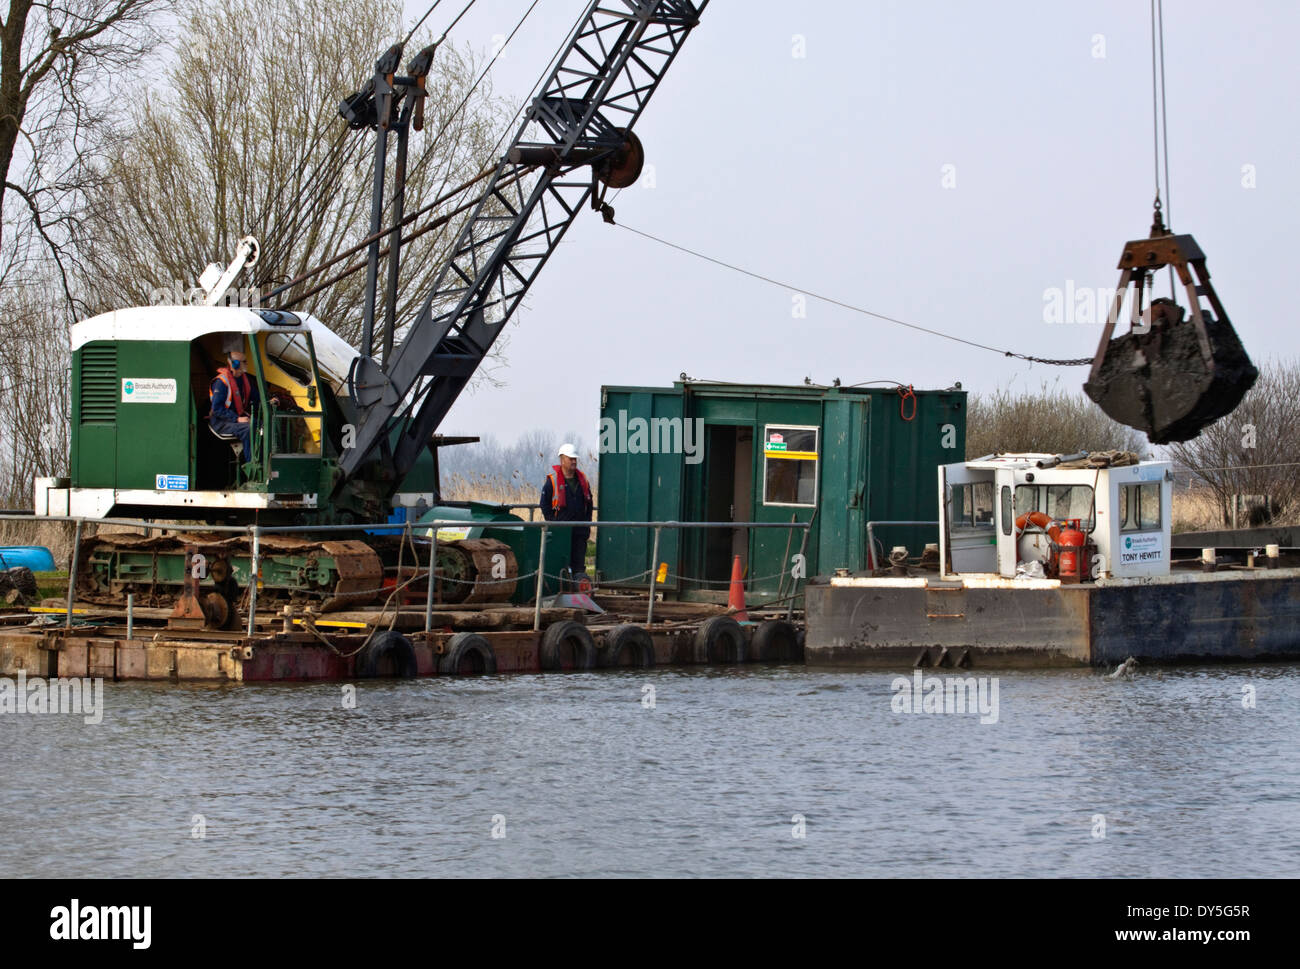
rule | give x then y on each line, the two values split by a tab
255	533
871	537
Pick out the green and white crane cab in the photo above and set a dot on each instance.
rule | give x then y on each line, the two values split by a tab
141	443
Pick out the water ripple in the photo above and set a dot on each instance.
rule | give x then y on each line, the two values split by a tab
578	777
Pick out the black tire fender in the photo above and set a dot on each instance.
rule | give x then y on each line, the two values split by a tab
777	641
722	640
628	646
567	645
467	654
387	649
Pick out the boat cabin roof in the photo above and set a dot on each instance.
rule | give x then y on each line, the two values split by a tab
1042	462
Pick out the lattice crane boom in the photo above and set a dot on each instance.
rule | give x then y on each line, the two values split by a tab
582	118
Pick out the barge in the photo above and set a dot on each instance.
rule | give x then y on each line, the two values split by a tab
350	646
1050	561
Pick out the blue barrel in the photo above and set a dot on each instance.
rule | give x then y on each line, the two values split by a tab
34	557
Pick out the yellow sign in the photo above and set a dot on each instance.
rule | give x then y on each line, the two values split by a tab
792	455
450	534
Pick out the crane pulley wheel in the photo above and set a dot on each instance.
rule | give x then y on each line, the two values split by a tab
623	167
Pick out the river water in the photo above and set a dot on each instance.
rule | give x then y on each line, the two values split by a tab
732	772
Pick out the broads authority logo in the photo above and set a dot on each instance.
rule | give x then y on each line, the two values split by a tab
102	923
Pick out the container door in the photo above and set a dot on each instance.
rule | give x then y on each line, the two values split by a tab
787	488
970	528
718	547
644	443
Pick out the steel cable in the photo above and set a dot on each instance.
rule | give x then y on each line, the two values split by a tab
1071	362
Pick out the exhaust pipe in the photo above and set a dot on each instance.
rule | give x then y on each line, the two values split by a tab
1062	459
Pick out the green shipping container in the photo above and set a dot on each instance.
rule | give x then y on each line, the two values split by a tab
838	457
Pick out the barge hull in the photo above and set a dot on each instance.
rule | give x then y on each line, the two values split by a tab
231	658
993	622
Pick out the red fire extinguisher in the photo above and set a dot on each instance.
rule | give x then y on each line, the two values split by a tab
1072	542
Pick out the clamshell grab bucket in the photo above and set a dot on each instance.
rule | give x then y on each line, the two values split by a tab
1170	376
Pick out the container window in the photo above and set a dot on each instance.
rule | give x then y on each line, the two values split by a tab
1007	516
790	460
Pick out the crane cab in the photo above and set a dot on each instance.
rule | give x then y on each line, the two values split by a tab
141	389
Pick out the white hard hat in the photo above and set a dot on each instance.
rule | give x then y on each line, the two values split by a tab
569	451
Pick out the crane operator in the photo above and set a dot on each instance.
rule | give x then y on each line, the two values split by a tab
234	396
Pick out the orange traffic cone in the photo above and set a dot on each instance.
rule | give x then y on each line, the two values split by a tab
736	599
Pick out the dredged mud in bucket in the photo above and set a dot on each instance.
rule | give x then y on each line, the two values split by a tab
1158	381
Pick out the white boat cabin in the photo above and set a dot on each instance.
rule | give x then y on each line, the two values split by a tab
988	525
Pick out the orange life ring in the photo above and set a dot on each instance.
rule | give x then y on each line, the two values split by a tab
1043	521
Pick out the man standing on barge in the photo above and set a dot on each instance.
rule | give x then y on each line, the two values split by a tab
566	497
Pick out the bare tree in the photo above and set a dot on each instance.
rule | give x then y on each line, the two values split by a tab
244	136
1050	420
34	389
56	66
60	66
1256	449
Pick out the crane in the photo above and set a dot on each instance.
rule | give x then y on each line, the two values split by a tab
345	431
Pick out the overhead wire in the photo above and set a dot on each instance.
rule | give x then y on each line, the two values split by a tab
1164	123
304	204
450	25
474	87
294	178
305	210
1155	108
331	167
361	264
1073	362
440	221
1160	123
420	23
1164	115
374	237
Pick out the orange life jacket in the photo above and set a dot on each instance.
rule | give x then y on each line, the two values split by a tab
556	477
238	389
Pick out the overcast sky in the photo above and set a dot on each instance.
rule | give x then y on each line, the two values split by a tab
828	171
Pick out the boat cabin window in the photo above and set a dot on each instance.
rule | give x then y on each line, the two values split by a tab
972	504
1139	507
1007	516
790	465
1061	502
